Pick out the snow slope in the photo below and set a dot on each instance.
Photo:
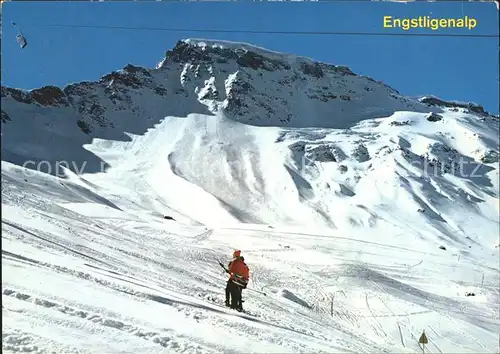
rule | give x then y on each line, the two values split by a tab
365	216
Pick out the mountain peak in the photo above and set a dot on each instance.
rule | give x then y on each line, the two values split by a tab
246	83
259	86
246	55
210	51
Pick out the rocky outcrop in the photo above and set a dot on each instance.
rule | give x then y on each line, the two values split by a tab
246	83
471	107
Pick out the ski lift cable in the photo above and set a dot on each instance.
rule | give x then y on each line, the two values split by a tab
212	30
17	27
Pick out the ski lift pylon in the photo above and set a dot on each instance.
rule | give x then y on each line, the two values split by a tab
20	37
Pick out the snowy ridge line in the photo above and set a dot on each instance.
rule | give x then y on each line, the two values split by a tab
243	46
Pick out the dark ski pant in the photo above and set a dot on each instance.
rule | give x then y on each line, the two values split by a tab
233	291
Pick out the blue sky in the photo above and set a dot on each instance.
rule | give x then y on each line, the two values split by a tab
452	68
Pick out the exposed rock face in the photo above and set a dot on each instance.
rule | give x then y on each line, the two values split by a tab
5	117
244	82
49	96
471	107
434	117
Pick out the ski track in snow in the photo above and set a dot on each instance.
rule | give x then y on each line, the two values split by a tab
126	285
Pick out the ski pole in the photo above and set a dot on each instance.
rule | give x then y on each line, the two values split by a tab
257	291
223	267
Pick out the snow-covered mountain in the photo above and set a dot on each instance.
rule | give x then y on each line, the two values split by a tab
354	187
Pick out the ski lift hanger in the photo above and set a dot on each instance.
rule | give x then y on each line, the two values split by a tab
20	37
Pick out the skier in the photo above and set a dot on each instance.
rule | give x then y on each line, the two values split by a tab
244	285
238	278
